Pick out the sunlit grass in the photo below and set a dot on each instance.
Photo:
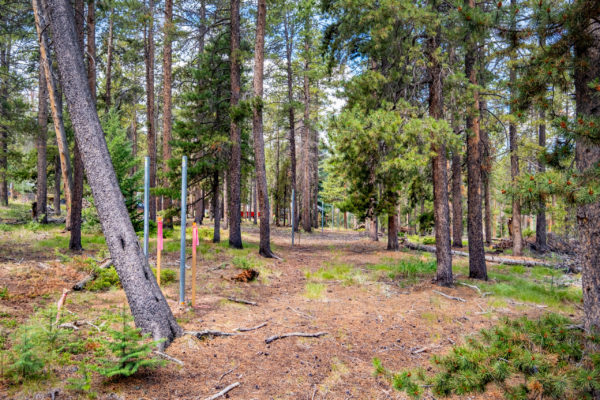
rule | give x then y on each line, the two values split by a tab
345	273
314	291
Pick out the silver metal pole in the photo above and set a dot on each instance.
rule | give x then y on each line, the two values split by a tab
183	226
146	203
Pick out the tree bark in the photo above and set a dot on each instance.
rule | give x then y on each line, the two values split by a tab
57	173
288	30
392	243
55	106
42	137
167	84
486	173
216	206
441	210
306	184
4	65
148	305
587	156
373	234
150	117
234	173
457	211
477	266
257	132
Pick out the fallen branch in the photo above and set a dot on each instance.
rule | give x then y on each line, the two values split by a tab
251	329
300	313
471	286
223	392
242	301
450	297
168	357
488	257
68	325
291	334
224	374
81	284
60	303
423	349
207	332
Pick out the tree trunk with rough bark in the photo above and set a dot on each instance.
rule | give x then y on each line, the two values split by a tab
477	266
457	205
486	173
306	184
148	305
57	173
4	65
216	207
441	210
392	243
587	156
235	159
257	132
42	138
109	57
167	117
541	238
55	105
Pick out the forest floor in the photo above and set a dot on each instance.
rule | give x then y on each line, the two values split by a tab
372	303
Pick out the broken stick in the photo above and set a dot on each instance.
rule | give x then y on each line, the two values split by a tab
168	357
251	329
223	392
291	334
242	301
207	332
449	297
81	284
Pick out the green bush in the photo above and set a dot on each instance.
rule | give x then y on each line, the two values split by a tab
428	240
166	275
105	279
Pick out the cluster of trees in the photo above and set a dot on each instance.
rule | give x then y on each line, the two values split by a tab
438	96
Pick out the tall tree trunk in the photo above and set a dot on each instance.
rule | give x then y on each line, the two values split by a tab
541	243
587	156
167	84
441	211
392	243
477	266
55	105
77	199
289	43
374	231
486	173
148	305
4	65
257	132
57	173
216	206
199	205
150	117
42	137
109	57
276	194
235	159
306	184
457	206
514	148
255	201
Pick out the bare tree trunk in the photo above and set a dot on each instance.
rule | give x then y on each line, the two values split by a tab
486	172
167	84
255	201
392	243
57	173
587	157
289	43
540	220
199	205
42	178
257	132
4	65
441	211
55	106
234	173
109	57
276	195
150	117
477	266
306	186
374	232
148	305
216	206
225	201
457	212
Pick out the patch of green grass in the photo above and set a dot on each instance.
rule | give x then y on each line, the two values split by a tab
16	211
526	359
106	278
525	290
4	295
410	269
314	291
345	273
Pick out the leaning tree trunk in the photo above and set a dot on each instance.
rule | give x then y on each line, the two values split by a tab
55	106
257	132
441	211
148	305
42	177
235	158
587	157
477	266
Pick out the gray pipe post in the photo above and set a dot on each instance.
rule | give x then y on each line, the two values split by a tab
293	216
183	222
146	203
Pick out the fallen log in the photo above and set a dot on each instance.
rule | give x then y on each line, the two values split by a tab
298	334
488	257
450	297
81	284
